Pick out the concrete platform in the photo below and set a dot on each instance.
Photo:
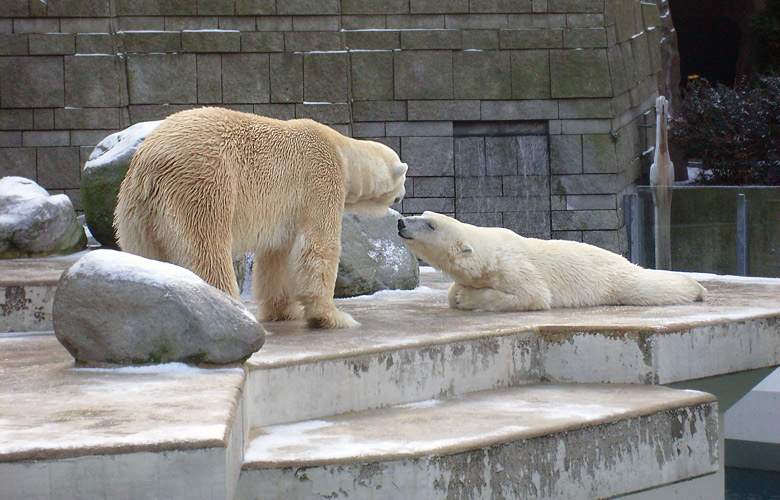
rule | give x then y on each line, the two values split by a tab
27	289
156	431
67	432
411	346
537	441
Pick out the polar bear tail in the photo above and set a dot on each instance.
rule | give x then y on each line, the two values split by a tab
659	288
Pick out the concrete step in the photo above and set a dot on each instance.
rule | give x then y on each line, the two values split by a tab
67	432
535	441
411	346
151	432
27	289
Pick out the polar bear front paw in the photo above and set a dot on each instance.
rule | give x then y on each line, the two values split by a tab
466	298
281	311
338	319
489	299
452	295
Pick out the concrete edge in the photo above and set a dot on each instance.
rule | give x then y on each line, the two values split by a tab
236	416
697	400
47	454
548	332
368	351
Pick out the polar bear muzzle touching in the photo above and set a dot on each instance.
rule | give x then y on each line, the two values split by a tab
209	185
497	270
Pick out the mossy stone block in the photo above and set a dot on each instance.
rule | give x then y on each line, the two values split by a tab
580	73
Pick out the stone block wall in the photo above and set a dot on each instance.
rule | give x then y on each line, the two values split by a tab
524	114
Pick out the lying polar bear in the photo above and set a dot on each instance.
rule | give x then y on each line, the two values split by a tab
497	270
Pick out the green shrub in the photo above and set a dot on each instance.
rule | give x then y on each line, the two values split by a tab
735	132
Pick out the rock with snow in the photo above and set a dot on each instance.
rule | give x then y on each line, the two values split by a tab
115	307
102	175
34	223
373	257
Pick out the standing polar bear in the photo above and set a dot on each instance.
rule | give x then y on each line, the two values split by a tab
209	185
497	270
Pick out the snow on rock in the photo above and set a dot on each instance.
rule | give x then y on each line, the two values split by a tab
33	223
17	189
115	307
102	175
373	257
120	146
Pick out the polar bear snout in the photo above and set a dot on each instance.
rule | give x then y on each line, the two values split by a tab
411	227
405	229
402	232
400	197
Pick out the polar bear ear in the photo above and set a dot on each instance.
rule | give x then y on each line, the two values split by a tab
400	169
466	249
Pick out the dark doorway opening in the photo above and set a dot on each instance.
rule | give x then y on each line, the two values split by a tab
709	48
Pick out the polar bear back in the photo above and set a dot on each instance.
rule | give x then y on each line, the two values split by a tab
264	189
579	274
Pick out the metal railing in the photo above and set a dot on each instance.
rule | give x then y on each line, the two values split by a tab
723	230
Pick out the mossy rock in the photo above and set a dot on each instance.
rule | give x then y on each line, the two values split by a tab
103	174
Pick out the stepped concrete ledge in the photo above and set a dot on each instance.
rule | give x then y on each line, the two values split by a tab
411	346
67	432
27	289
155	431
535	441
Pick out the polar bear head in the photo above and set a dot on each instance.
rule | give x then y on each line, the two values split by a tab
441	241
375	177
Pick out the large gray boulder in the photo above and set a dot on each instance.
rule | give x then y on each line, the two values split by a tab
102	176
34	223
373	256
115	307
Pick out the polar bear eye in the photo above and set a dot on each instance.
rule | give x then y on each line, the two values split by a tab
430	225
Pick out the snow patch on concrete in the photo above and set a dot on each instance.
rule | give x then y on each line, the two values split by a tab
168	369
333	442
81	438
399	294
428	403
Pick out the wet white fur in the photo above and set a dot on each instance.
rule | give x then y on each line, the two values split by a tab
210	184
496	269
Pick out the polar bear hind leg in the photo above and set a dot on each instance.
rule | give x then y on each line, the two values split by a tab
213	261
135	234
317	260
272	286
165	238
207	252
661	288
192	234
